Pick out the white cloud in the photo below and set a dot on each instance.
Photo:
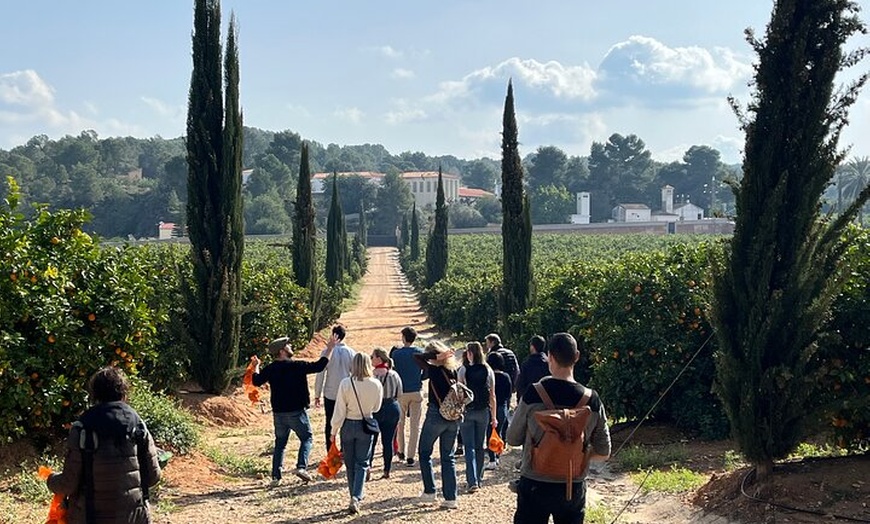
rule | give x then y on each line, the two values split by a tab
26	89
405	114
163	109
389	51
553	78
644	68
402	73
351	114
27	105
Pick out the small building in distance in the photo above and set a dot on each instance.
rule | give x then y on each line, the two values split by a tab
470	195
632	213
165	230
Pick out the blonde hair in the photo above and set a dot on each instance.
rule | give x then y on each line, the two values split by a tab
450	364
361	366
381	353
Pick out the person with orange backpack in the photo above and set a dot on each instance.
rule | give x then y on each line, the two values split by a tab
561	425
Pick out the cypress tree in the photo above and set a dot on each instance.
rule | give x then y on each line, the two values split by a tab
516	230
304	229
415	234
336	238
359	241
436	246
781	272
404	241
214	203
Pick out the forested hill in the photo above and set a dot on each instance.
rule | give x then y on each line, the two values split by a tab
102	174
132	184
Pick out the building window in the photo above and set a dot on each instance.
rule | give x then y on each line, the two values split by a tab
414	187
428	186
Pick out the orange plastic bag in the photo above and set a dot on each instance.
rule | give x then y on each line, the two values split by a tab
57	509
330	465
496	444
251	390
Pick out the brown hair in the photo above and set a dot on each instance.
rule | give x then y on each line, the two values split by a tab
109	384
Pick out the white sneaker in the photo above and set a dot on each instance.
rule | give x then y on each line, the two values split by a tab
303	474
274	483
354	505
449	504
428	498
491	465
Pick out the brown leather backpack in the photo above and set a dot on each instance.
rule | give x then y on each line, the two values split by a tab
560	452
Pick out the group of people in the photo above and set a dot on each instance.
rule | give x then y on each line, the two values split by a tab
356	389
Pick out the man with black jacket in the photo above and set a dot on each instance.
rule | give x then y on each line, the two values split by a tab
534	367
288	382
511	365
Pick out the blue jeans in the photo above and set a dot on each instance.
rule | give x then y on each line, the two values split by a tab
296	421
435	427
356	445
388	419
501	416
475	429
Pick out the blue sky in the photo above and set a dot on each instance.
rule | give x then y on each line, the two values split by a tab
418	76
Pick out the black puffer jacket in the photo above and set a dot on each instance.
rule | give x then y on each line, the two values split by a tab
125	455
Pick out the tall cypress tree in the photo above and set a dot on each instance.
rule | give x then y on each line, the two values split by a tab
415	234
775	288
516	230
304	229
336	238
436	246
214	202
404	241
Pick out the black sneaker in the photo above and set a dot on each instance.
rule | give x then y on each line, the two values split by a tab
401	457
409	462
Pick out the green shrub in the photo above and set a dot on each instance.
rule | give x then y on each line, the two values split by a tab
171	426
675	480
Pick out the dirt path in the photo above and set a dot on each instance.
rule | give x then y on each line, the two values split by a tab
198	492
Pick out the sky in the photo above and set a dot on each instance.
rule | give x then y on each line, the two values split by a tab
413	76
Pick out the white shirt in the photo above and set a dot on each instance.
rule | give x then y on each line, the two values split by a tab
338	368
370	394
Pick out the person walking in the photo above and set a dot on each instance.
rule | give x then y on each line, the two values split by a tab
411	397
534	367
502	401
111	460
479	416
290	398
511	365
540	496
438	362
358	397
388	415
327	381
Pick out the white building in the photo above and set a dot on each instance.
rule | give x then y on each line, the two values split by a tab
583	210
632	213
689	211
424	186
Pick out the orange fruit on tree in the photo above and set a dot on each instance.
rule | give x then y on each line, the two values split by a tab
92	317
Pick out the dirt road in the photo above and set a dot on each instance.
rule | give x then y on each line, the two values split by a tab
197	492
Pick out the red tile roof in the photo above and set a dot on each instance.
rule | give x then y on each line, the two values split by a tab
473	192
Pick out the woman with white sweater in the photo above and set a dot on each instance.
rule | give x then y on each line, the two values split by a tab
359	396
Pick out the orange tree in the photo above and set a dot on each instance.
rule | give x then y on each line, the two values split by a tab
66	308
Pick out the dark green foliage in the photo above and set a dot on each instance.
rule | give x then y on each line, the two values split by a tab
516	229
304	230
172	426
336	239
214	204
415	234
774	292
358	245
404	241
436	247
